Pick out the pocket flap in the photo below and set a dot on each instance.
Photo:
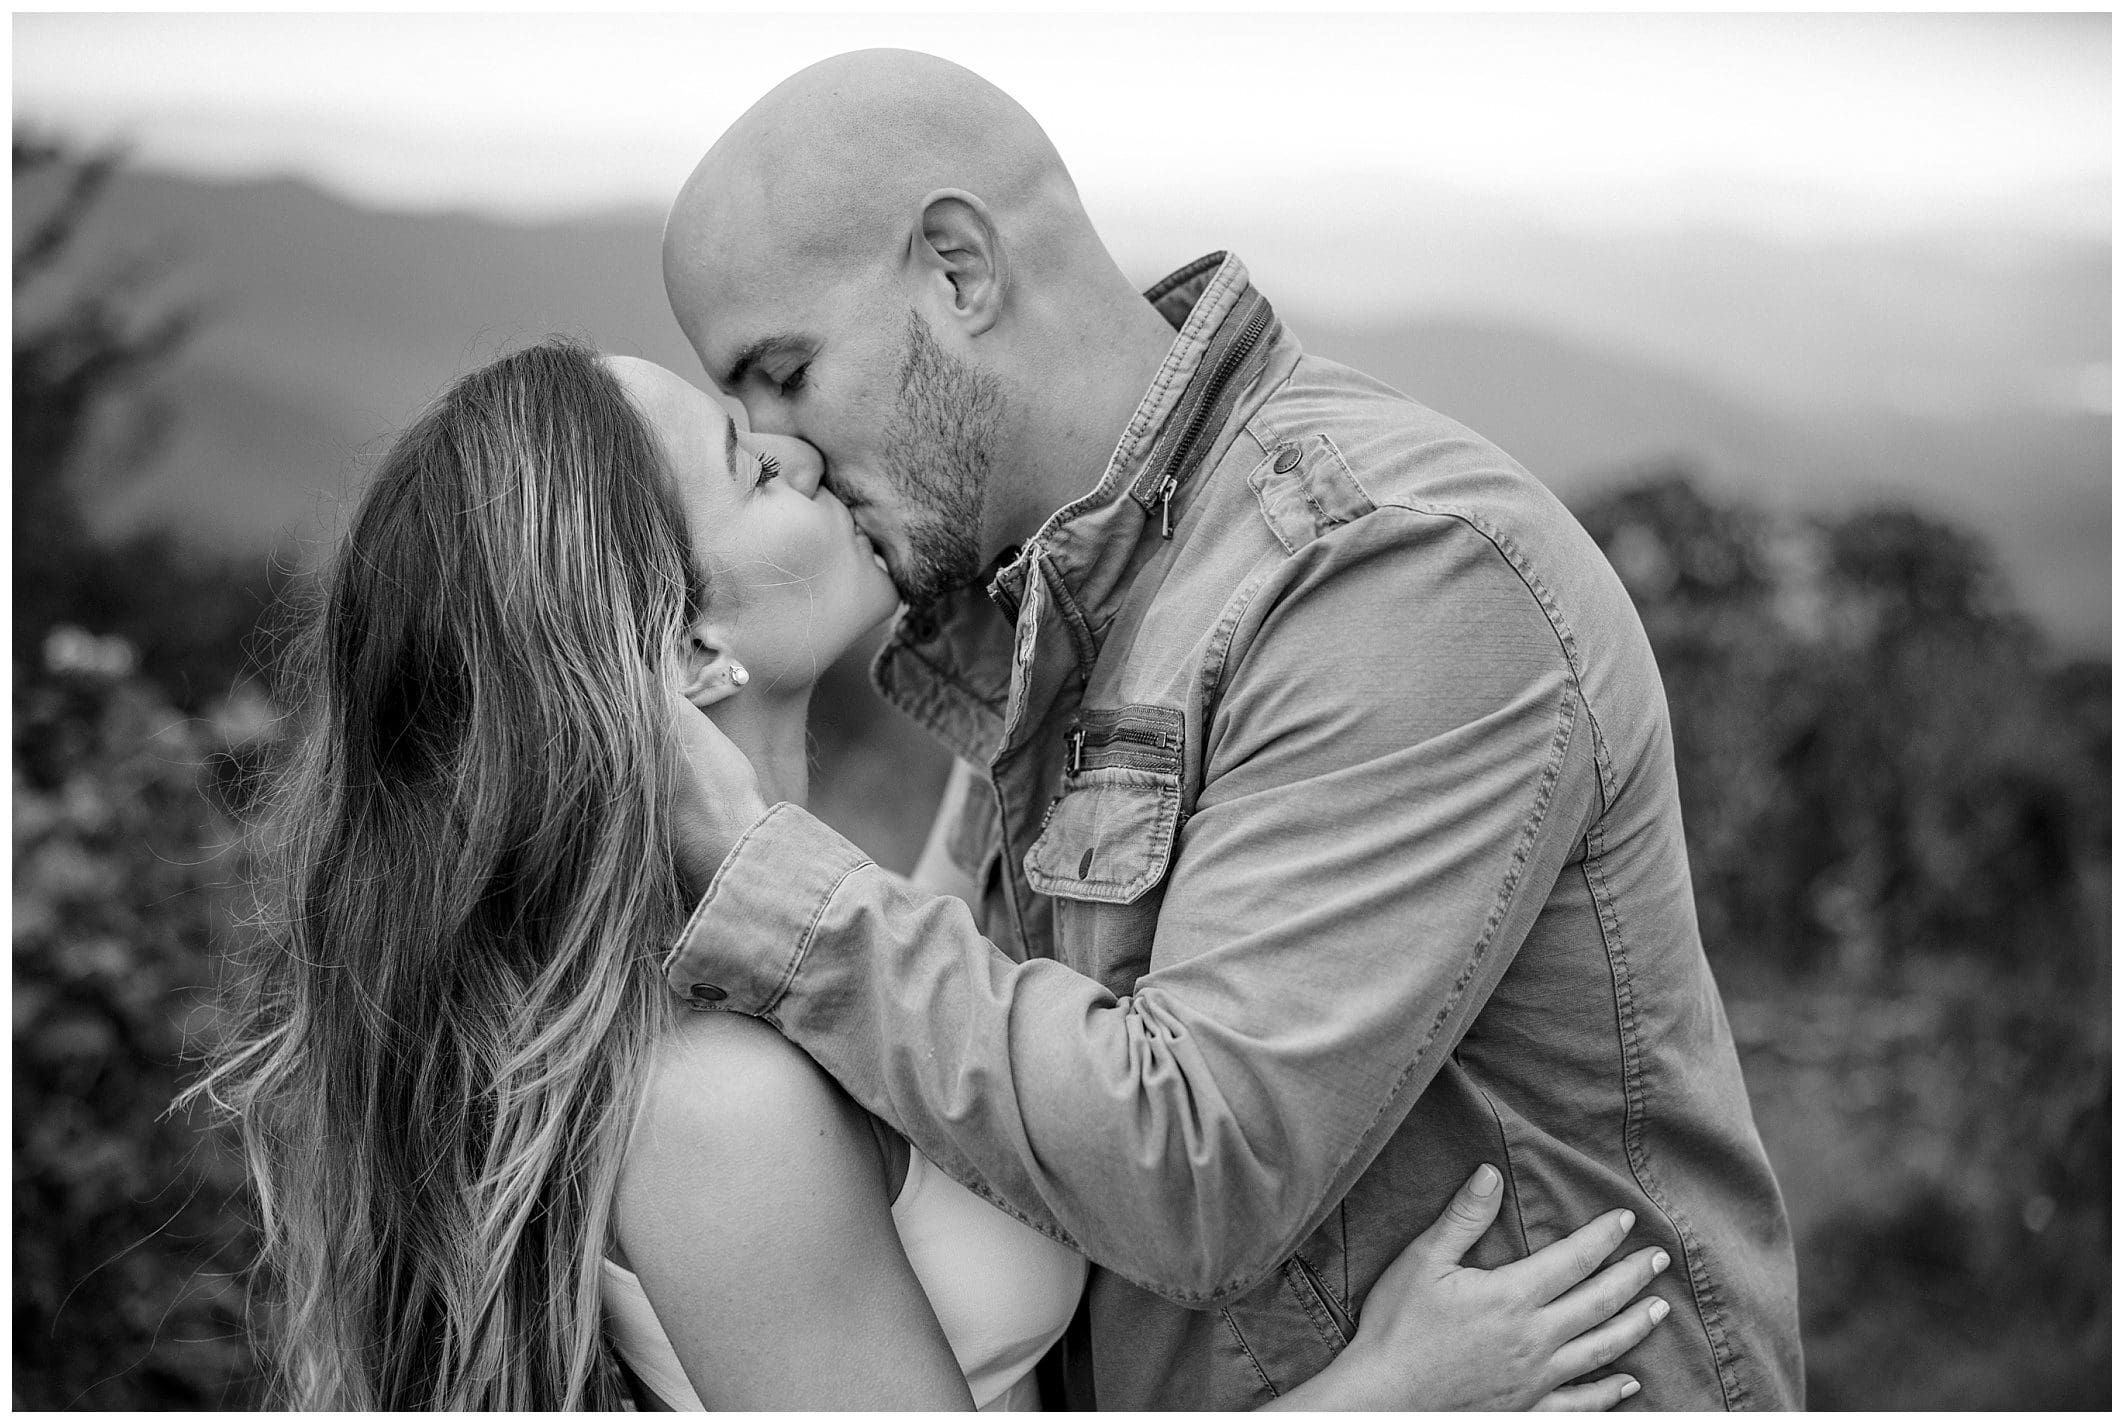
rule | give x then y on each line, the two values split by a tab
1110	837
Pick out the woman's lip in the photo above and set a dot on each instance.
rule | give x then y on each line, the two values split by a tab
876	555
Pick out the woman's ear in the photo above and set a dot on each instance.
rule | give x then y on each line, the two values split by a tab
956	242
708	672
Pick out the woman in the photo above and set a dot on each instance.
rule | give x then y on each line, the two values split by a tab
490	1151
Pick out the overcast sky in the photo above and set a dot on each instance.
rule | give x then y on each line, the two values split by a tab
1804	123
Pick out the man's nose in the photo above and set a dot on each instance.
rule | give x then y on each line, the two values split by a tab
803	467
767	417
806	474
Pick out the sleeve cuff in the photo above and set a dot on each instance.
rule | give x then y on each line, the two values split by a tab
747	937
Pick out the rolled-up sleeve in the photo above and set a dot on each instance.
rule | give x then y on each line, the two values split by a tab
1396	768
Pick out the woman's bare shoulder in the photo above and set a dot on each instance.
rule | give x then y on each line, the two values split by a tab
737	1127
731	1084
752	1207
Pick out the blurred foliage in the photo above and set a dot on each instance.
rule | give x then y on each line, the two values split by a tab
128	1233
1897	807
129	1237
1898	817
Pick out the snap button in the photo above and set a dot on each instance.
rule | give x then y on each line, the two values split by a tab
1287	459
710	993
1084	865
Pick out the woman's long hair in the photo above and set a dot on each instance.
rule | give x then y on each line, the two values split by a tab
435	1047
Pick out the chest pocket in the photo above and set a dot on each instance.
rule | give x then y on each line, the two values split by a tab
1109	836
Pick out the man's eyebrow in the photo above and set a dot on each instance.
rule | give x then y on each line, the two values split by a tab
750	357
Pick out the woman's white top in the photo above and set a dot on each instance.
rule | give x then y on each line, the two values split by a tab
1003	1293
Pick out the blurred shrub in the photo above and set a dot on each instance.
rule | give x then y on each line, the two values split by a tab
1880	762
1897	809
127	1239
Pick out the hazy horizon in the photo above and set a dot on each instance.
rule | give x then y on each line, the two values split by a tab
1805	127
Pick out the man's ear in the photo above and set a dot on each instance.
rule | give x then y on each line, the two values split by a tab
956	245
708	672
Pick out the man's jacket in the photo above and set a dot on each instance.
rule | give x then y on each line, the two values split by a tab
1328	846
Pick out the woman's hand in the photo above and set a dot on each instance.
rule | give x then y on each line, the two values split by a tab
716	800
1439	1335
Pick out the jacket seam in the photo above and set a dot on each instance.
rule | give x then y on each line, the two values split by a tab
1321	517
1703	1291
985	1193
1522	853
1302	1280
1344	461
1559	625
1504	1149
1217	660
1248	1351
1337	1307
1342	1218
1080	634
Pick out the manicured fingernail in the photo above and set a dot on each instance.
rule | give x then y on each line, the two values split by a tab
1625	1221
1485	1181
1659	1261
1630	1387
1659	1311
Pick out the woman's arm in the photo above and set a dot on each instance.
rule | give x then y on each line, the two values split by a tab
1439	1335
754	1209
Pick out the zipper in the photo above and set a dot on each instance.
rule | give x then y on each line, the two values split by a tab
998	592
1146	748
1243	346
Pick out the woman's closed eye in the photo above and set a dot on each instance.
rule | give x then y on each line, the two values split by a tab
770	468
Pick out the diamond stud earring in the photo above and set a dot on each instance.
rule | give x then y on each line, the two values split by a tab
737	675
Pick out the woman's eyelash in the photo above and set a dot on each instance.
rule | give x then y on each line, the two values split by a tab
769	468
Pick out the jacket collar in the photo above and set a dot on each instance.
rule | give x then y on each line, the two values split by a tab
949	665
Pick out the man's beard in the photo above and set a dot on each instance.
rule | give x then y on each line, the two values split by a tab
936	455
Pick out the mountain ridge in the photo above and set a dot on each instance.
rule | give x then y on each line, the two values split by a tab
329	325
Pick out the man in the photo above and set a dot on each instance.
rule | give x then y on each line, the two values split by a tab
1315	801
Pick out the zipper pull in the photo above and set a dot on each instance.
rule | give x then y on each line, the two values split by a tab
1076	751
1165	507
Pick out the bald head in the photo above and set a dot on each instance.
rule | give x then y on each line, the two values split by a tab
824	175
